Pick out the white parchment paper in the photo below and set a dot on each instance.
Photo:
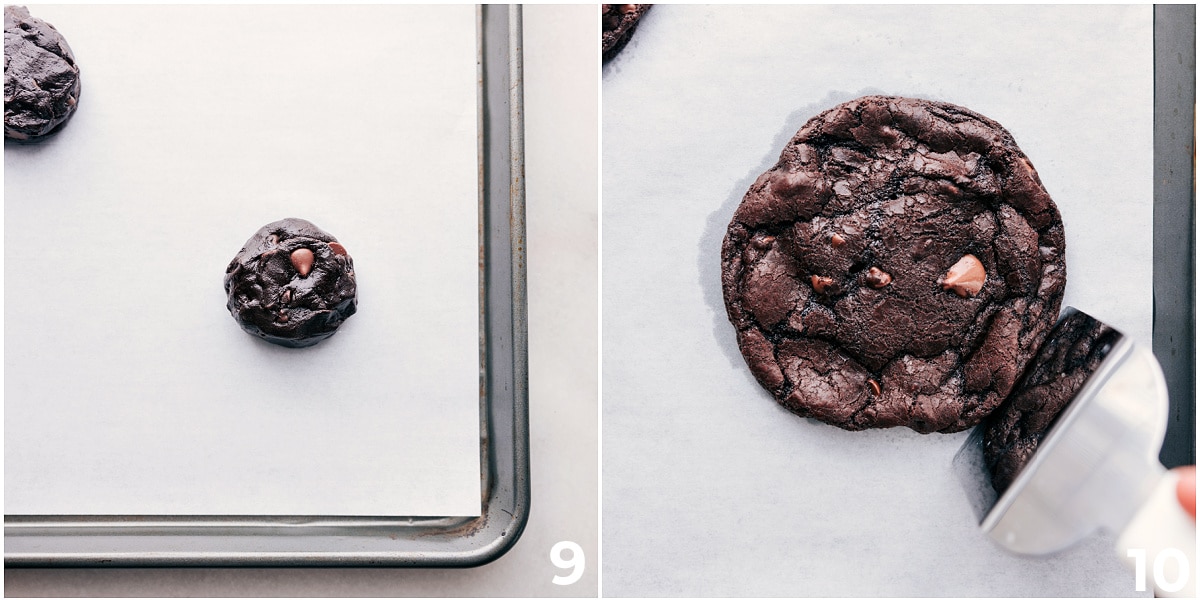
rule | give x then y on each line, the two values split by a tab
710	488
129	389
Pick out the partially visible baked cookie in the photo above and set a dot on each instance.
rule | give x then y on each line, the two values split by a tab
1072	352
898	266
618	21
41	79
292	284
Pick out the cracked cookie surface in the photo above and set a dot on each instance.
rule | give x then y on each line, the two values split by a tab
617	22
1073	351
898	266
292	284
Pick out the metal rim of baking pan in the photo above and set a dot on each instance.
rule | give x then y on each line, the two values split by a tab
197	540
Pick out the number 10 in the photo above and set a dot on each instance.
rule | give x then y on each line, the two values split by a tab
1139	569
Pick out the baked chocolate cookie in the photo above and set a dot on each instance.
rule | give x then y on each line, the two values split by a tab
1072	352
618	21
899	265
292	284
41	79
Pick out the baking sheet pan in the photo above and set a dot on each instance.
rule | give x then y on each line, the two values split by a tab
386	540
134	391
710	488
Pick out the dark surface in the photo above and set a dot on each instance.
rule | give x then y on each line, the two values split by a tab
1175	222
41	79
909	188
272	297
618	22
1072	352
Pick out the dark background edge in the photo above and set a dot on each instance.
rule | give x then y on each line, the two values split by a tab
1174	223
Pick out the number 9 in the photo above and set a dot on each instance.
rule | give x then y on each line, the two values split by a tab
575	563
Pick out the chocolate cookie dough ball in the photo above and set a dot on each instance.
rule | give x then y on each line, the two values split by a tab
41	79
292	284
899	266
